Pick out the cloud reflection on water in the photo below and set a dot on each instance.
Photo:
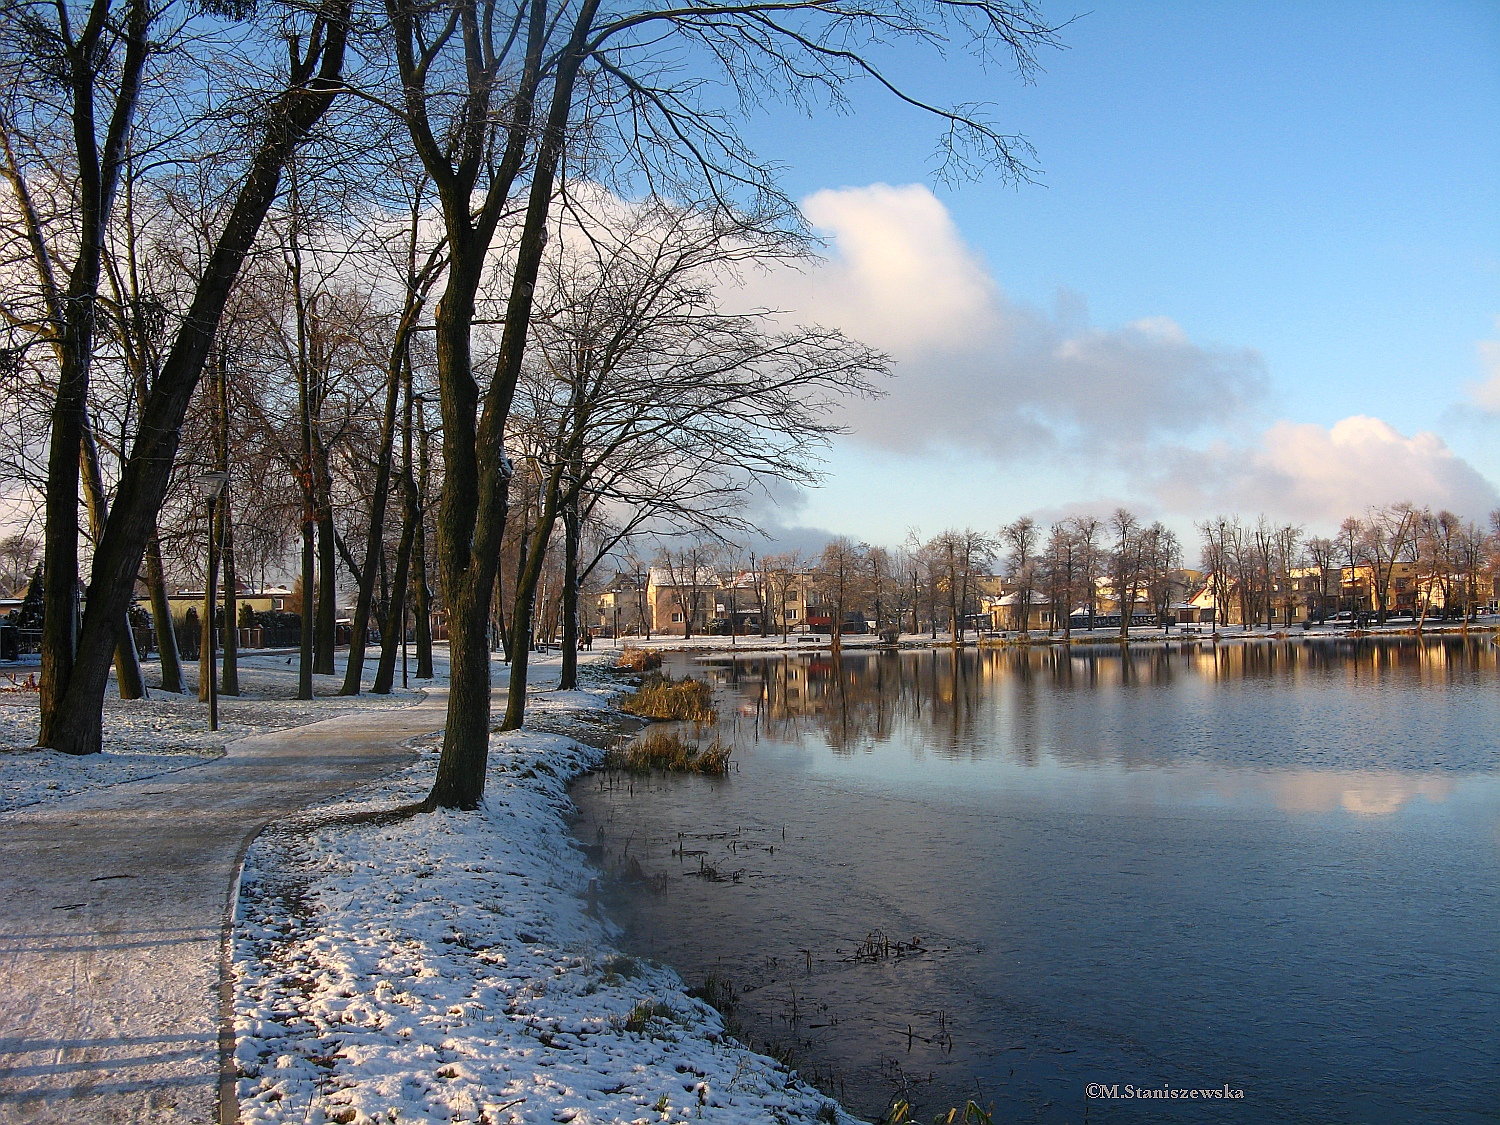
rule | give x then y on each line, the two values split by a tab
1368	793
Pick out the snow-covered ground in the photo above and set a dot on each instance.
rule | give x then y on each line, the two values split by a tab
454	967
166	732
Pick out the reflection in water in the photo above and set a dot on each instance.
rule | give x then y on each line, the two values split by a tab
1343	704
1369	794
1267	864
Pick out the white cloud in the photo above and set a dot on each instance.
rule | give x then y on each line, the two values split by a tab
978	371
1306	472
1486	393
979	374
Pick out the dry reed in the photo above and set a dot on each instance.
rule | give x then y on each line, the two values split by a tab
661	697
638	660
666	750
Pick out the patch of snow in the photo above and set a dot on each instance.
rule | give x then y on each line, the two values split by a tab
455	967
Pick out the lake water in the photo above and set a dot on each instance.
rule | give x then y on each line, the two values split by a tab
1008	874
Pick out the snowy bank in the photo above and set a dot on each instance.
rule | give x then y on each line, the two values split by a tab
454	967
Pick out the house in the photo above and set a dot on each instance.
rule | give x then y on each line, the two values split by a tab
1358	587
680	601
272	599
1003	612
619	606
793	601
737	605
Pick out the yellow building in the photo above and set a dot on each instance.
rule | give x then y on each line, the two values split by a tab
274	598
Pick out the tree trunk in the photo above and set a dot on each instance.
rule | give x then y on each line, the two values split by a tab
422	611
423	625
74	724
60	557
210	597
230	681
520	636
383	602
127	660
230	684
466	737
375	533
470	528
305	641
391	629
505	638
569	680
161	619
326	626
523	607
476	471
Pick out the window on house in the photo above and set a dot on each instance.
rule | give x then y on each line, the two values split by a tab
791	615
278	603
676	619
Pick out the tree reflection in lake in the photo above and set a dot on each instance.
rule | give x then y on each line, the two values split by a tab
1073	701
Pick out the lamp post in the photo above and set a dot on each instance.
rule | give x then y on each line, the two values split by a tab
210	485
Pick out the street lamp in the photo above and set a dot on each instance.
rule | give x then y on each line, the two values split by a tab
210	485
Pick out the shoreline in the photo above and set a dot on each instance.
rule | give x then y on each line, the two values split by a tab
818	643
457	966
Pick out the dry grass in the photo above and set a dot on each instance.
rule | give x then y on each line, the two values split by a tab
666	750
661	697
638	660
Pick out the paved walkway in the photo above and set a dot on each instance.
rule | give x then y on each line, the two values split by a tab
113	911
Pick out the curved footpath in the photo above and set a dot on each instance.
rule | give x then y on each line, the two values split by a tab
114	907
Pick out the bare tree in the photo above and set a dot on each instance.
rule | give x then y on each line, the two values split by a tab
1472	553
421	268
1062	574
1321	553
782	574
1126	565
1161	556
689	577
1088	532
1387	539
1022	569
493	99
957	557
644	395
74	680
73	79
842	582
1285	557
1217	560
18	557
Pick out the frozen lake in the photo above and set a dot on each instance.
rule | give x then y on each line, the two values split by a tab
1005	875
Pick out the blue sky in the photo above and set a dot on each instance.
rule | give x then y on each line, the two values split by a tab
1318	183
